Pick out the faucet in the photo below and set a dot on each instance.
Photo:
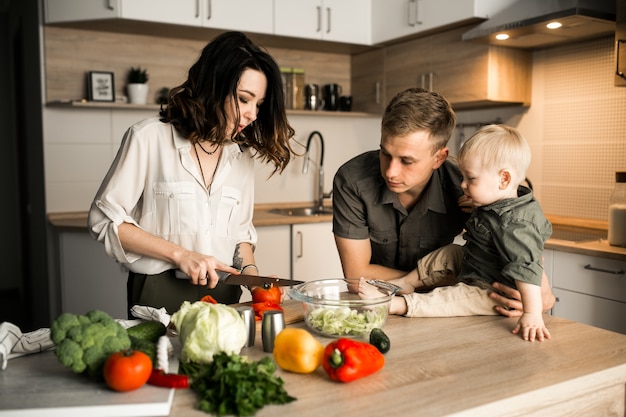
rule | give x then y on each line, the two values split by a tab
319	197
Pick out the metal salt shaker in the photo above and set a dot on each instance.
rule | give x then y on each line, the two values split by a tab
273	323
247	314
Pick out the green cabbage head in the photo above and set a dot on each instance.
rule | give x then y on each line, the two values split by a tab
206	329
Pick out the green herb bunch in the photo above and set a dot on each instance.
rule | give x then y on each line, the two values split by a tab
137	75
234	385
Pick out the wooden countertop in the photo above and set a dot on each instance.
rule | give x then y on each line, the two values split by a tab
465	366
461	366
77	221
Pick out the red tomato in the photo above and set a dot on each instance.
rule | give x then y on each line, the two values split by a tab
127	370
271	294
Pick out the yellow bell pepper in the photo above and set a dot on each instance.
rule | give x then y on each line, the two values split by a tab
296	350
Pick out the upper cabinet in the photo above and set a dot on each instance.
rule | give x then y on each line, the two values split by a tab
469	75
393	19
330	20
249	15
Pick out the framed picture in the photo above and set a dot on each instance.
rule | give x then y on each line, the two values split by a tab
100	86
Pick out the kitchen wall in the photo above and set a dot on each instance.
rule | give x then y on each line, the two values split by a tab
576	126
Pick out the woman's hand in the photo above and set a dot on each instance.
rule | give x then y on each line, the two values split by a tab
202	269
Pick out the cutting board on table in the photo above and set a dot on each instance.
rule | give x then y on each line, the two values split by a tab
38	385
292	310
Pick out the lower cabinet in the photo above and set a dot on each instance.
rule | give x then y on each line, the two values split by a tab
89	278
314	253
590	290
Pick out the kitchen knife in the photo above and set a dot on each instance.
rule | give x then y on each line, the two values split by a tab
247	280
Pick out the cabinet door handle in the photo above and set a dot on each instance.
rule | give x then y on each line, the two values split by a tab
110	5
430	81
300	245
209	11
607	271
319	18
328	20
423	81
417	13
412	11
617	45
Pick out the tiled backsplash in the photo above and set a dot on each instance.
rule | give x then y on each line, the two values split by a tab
576	126
584	128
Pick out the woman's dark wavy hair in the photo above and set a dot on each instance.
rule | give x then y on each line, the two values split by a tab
196	108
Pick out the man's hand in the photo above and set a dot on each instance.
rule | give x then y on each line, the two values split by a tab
510	301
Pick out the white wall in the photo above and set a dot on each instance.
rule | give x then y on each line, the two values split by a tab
80	144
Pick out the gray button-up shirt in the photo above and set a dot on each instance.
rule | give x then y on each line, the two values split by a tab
364	208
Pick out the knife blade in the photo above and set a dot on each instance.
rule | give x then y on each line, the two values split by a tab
247	280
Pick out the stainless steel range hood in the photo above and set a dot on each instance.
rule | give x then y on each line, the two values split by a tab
525	23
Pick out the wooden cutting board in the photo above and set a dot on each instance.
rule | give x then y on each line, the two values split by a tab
292	309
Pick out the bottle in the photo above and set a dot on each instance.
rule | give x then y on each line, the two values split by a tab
298	89
617	211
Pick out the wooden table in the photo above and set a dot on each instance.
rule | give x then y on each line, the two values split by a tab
466	366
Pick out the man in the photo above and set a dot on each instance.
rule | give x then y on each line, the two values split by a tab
395	205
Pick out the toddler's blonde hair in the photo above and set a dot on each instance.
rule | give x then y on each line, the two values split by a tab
498	147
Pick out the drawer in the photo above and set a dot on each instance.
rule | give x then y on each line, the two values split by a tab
594	311
591	275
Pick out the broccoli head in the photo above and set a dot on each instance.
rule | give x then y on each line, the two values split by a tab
84	342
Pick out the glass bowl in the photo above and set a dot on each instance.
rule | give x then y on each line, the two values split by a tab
330	310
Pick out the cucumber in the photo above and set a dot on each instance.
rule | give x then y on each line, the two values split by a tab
149	331
380	340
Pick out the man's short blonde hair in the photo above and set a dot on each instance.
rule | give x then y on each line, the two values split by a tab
498	146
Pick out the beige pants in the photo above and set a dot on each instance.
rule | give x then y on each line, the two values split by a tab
459	299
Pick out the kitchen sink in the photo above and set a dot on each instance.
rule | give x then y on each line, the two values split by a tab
301	211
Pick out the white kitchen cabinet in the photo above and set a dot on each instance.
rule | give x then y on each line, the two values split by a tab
245	15
590	290
392	19
248	15
273	253
331	20
314	253
89	278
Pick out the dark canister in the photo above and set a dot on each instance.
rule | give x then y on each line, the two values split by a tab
332	92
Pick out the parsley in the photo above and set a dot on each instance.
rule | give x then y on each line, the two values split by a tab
232	384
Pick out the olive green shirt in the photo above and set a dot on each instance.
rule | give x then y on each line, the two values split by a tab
505	241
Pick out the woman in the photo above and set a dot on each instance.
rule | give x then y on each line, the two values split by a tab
179	194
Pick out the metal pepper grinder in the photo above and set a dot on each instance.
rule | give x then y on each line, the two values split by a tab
273	323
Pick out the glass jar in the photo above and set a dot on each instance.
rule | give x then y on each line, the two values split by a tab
617	211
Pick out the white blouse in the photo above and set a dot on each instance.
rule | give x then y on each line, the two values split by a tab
154	184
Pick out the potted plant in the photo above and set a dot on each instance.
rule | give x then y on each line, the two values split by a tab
137	86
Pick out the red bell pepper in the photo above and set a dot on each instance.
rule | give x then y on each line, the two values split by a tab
260	308
208	299
161	379
346	360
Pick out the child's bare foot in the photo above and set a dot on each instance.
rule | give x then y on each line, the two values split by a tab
368	291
